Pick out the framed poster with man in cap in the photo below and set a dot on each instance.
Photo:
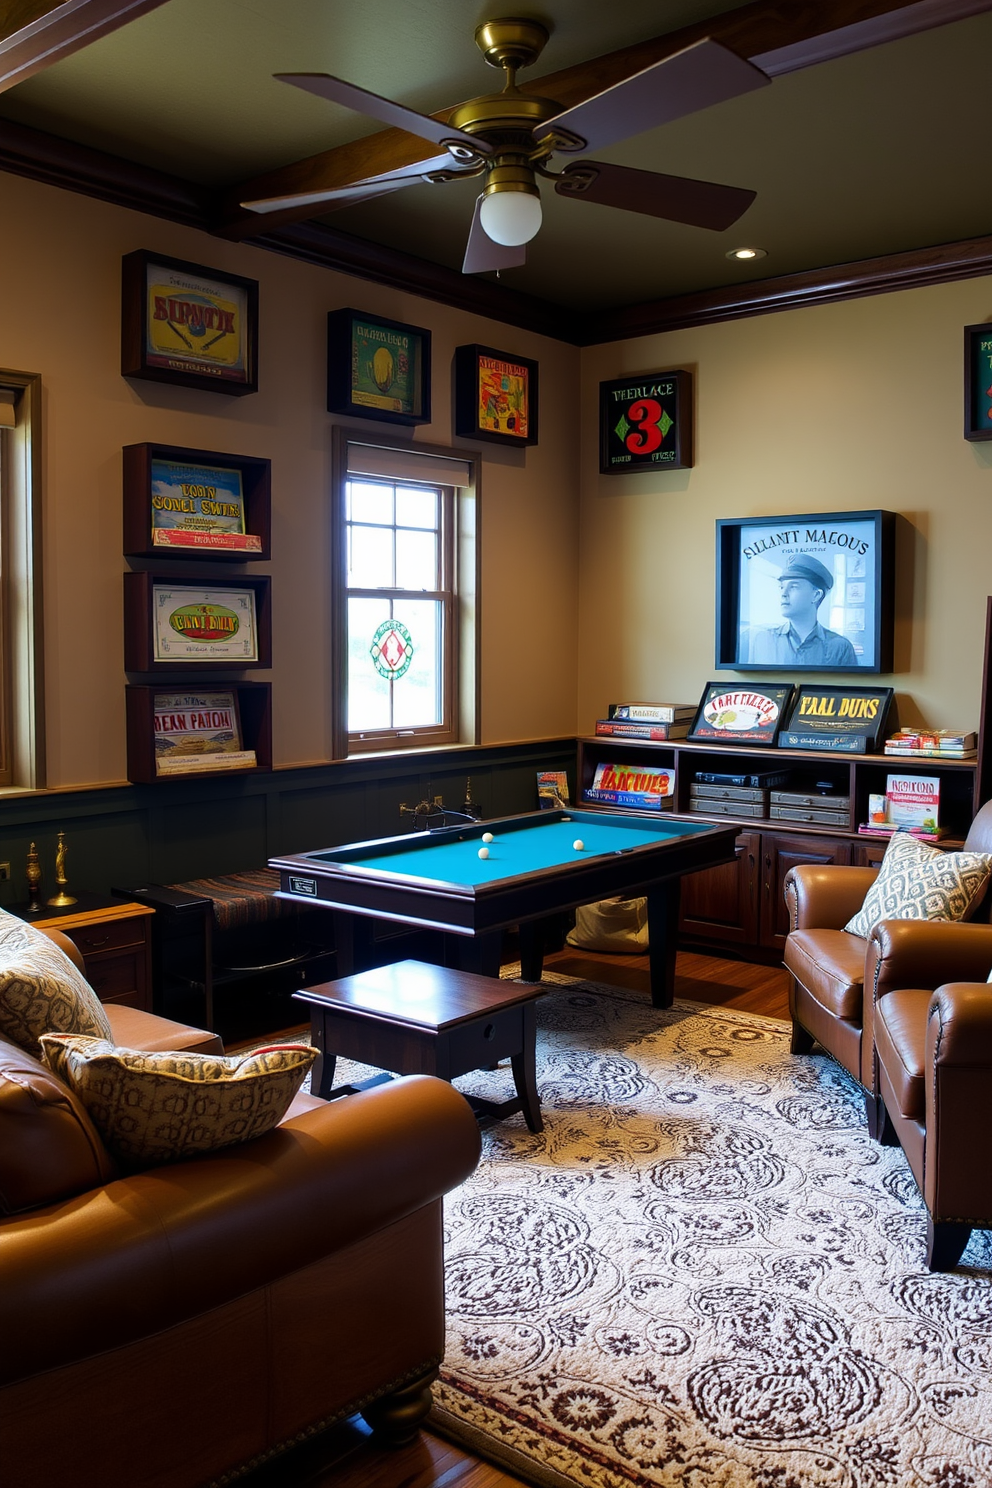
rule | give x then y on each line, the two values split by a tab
805	593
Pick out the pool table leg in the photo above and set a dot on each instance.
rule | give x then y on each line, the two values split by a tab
478	953
531	934
663	931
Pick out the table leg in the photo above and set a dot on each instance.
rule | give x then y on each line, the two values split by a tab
531	950
663	930
322	1077
478	953
344	942
524	1069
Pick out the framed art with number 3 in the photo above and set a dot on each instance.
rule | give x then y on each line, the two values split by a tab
645	423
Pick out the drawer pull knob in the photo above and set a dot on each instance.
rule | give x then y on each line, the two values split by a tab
489	1032
94	945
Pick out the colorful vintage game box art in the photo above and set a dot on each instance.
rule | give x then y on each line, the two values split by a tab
504	403
196	324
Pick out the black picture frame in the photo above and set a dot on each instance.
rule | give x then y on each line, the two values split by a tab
506	415
852	549
378	368
645	423
848	720
741	713
189	325
978	381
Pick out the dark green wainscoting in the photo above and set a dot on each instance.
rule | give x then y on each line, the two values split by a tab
176	830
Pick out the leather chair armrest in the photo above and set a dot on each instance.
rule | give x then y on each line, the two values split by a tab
958	1073
959	1027
65	944
824	896
149	1251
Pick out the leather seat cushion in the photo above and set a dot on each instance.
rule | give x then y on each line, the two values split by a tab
830	964
901	1044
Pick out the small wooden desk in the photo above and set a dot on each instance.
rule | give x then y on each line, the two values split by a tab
416	1019
114	940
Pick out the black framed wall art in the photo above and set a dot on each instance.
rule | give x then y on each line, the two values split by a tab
810	593
496	396
188	325
978	381
645	423
377	368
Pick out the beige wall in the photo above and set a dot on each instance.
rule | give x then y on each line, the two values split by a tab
60	271
852	406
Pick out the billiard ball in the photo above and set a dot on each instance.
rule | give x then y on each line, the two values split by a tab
483	852
487	836
578	844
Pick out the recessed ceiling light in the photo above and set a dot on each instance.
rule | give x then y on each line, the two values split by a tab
746	253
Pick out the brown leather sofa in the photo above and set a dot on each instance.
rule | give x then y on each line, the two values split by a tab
838	979
934	1053
174	1327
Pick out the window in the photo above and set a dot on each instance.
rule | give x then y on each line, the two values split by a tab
21	732
405	575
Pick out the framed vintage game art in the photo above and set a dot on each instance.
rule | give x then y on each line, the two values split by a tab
811	593
196	624
978	381
736	713
377	368
495	396
188	325
645	423
195	504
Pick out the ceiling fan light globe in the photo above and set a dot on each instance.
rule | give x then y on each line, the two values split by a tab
510	218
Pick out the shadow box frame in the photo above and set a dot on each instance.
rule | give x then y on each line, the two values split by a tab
976	428
635	395
139	622
468	424
341	361
256	486
135	354
254	702
786	534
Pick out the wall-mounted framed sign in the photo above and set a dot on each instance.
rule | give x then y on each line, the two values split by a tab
809	593
734	713
186	324
978	381
645	422
195	624
195	504
377	368
495	396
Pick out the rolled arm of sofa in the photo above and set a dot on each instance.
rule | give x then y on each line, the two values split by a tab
824	896
927	953
154	1249
959	1103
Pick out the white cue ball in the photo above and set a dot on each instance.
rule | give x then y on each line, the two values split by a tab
483	852
487	836
578	844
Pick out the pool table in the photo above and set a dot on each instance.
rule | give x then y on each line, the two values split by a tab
436	880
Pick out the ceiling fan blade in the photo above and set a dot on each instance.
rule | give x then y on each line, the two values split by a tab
676	198
695	78
482	255
336	90
343	196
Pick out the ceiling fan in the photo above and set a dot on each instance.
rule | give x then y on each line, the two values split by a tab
509	137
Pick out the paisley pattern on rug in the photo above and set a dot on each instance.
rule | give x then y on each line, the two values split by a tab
703	1272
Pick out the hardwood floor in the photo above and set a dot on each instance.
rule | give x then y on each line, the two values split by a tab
347	1456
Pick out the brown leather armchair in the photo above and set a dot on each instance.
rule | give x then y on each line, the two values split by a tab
838	979
173	1327
934	1053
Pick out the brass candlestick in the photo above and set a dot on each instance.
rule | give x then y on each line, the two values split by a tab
59	900
34	880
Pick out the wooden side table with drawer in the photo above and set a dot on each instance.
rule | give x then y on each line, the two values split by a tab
114	937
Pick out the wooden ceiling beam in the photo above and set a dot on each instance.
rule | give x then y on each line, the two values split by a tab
778	38
36	33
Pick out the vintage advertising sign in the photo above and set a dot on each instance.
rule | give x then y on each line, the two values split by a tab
199	506
849	720
188	324
741	715
645	423
377	368
978	381
202	624
198	731
495	395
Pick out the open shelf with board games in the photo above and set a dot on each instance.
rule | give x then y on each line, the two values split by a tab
196	504
177	731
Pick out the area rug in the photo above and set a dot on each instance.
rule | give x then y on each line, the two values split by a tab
704	1273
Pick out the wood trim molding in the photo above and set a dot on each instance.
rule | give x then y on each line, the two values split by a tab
869	276
36	33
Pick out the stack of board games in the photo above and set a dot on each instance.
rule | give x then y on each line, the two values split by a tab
911	804
655	722
932	744
638	787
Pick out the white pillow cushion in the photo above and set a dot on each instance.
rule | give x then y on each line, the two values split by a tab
919	882
41	991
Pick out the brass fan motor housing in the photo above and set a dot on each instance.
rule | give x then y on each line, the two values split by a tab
511	42
503	112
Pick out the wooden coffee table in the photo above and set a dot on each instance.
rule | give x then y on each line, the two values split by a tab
415	1019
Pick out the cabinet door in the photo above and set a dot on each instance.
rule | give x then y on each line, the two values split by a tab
721	903
779	853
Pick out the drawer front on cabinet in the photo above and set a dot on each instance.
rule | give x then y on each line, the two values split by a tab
119	978
109	935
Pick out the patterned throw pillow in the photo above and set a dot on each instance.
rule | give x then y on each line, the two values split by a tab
41	991
158	1108
919	882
